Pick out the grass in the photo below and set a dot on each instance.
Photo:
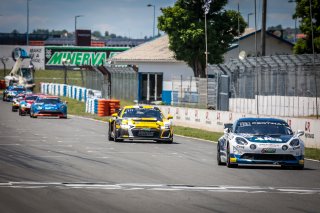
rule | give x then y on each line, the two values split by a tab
312	153
197	133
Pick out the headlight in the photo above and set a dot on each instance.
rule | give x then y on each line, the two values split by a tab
253	146
62	107
166	126
39	107
241	141
295	142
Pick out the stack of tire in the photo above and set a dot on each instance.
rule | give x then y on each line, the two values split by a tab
103	107
114	105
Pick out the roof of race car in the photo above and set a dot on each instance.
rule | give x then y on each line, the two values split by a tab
48	96
140	107
260	119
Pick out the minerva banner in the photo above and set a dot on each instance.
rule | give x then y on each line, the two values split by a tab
78	56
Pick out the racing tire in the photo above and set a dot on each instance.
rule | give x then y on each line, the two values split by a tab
20	113
115	139
228	163
63	117
109	133
13	109
219	162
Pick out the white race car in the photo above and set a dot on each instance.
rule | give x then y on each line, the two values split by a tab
260	141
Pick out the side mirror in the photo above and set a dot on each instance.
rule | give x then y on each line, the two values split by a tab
300	133
226	130
114	115
169	117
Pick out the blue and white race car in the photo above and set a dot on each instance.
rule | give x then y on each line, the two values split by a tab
48	106
13	91
260	141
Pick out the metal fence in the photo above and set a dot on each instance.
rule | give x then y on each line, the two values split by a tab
192	91
287	85
284	85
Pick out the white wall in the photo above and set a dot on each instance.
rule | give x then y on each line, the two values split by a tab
169	69
38	59
276	105
212	120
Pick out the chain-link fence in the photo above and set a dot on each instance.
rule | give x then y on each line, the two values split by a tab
285	85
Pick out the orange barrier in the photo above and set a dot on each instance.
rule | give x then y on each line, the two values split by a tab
114	105
107	107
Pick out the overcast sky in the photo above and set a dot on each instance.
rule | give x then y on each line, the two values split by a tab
131	18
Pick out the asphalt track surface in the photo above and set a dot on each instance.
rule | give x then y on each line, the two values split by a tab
68	165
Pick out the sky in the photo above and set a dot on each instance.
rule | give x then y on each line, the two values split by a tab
131	18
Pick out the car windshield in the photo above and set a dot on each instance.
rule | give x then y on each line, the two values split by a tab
49	101
31	98
19	89
142	113
263	128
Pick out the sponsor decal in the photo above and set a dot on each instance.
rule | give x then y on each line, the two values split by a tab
77	58
207	118
186	114
267	139
307	126
218	116
196	114
268	150
289	122
309	135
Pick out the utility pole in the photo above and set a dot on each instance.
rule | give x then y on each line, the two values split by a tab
263	29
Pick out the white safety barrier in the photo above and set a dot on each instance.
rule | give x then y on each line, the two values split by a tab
212	120
70	91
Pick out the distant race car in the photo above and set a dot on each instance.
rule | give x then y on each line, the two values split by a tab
48	106
25	104
140	123
16	101
12	91
260	141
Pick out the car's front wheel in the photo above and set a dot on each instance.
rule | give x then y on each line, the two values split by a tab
228	163
110	138
219	156
115	134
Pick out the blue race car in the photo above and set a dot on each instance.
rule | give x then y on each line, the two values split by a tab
260	141
48	106
12	91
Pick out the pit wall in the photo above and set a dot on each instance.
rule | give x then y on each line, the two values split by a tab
214	121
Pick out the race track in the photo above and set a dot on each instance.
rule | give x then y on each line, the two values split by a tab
68	165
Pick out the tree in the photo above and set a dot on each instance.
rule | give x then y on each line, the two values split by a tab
97	34
185	25
303	12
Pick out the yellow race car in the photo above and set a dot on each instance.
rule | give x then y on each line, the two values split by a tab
140	123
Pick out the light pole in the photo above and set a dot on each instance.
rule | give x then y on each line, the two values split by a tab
248	20
154	17
295	23
28	22
313	61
